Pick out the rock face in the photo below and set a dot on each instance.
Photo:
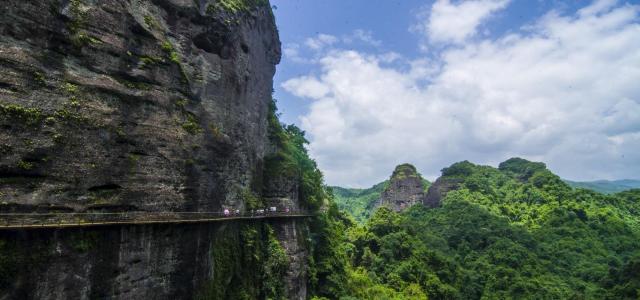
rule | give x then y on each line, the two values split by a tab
292	235
439	189
201	261
406	188
152	105
156	105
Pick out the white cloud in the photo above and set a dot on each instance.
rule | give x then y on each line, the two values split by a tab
363	36
597	7
320	41
292	52
565	93
306	86
456	22
315	47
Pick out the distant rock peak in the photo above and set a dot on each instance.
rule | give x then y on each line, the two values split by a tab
404	170
406	188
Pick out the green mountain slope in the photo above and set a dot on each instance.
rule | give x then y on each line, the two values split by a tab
606	186
513	232
359	203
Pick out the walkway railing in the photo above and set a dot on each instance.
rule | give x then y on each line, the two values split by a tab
57	220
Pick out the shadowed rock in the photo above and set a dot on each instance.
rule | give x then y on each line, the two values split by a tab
439	190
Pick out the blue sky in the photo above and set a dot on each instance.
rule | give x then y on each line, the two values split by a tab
377	83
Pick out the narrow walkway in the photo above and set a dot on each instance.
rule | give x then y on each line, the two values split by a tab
63	220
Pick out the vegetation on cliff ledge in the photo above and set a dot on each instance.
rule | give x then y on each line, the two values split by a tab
291	160
249	262
235	6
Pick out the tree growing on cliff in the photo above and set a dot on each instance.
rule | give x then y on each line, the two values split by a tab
292	160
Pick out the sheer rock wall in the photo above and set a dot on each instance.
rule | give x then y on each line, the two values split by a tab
156	105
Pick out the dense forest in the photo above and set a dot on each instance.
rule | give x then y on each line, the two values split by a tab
359	203
516	231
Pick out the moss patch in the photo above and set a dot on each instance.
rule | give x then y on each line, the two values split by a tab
65	114
40	78
28	116
25	165
248	263
134	85
234	253
173	55
275	267
182	102
133	161
82	39
191	124
235	6
148	61
151	22
79	16
77	22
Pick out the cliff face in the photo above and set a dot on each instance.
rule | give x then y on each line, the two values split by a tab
157	105
406	188
439	189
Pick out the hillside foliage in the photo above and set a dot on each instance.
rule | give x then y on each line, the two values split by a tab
513	232
359	203
291	160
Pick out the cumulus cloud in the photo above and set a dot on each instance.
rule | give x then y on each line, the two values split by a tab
363	36
291	51
314	47
456	22
565	91
306	86
320	41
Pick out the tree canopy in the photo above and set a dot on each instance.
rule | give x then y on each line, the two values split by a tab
517	231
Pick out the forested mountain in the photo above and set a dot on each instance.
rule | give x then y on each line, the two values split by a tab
359	203
142	156
404	186
606	186
517	231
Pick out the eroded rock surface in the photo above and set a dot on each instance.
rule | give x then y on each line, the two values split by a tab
439	189
156	105
152	105
406	188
